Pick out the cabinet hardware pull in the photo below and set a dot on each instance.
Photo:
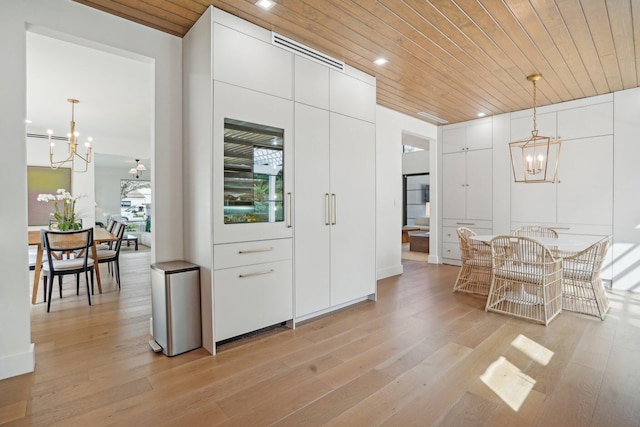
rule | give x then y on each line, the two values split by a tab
252	251
466	223
257	273
335	209
289	225
327	203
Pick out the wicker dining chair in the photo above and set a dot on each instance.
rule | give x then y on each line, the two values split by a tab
475	274
526	280
582	289
535	231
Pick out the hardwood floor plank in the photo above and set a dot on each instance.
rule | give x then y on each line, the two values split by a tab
13	411
392	397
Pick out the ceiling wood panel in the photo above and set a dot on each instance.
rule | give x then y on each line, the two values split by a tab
449	58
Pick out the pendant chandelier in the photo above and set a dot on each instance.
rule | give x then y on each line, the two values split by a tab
535	159
138	169
72	146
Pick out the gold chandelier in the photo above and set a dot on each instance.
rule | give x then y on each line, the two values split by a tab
535	159
72	146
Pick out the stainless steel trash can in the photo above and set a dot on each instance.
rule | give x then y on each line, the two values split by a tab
175	306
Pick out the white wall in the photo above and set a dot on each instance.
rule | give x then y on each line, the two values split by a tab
84	23
389	128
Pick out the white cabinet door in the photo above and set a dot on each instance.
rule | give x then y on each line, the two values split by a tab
353	208
241	104
454	185
311	218
351	96
454	140
480	135
585	182
479	184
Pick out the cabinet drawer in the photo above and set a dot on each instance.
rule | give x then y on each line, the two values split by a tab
246	253
449	235
451	250
252	297
469	223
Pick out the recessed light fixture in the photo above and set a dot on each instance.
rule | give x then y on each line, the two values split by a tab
380	61
482	114
27	121
265	4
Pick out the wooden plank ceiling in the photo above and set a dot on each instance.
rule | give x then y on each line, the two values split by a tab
450	58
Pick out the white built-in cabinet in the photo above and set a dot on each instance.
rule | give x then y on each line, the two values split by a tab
581	200
335	184
253	276
466	183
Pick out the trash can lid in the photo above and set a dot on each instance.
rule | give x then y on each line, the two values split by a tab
170	267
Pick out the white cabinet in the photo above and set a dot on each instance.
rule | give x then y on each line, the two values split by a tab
244	105
252	285
476	135
334	241
467	183
312	226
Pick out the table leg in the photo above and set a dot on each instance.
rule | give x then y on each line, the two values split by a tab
36	275
96	266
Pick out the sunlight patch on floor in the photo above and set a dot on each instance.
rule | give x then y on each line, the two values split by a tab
508	382
535	351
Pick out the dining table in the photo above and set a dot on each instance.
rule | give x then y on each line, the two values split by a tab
563	245
100	235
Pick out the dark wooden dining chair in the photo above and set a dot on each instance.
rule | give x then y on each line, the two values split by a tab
526	281
77	242
112	256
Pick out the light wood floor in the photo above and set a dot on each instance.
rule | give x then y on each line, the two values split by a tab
420	355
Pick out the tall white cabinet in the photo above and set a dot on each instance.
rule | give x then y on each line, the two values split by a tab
466	183
316	251
334	237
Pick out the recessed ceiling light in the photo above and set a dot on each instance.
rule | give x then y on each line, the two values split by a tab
482	114
27	121
265	4
380	61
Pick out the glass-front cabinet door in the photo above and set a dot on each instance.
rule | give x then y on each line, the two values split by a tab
253	172
252	180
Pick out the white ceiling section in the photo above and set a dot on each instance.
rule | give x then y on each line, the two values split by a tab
115	93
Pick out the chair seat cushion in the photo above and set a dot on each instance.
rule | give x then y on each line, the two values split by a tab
67	264
580	273
479	262
104	254
519	272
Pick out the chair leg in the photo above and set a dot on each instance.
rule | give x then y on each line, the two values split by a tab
116	266
50	289
60	285
44	283
77	283
86	279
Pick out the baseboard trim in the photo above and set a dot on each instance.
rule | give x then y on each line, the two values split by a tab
17	364
389	271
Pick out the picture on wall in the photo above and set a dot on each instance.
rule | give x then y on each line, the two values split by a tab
44	180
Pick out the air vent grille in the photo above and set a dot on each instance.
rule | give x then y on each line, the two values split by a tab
432	117
306	51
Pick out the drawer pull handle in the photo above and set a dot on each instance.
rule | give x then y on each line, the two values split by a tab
289	225
466	223
252	251
257	273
